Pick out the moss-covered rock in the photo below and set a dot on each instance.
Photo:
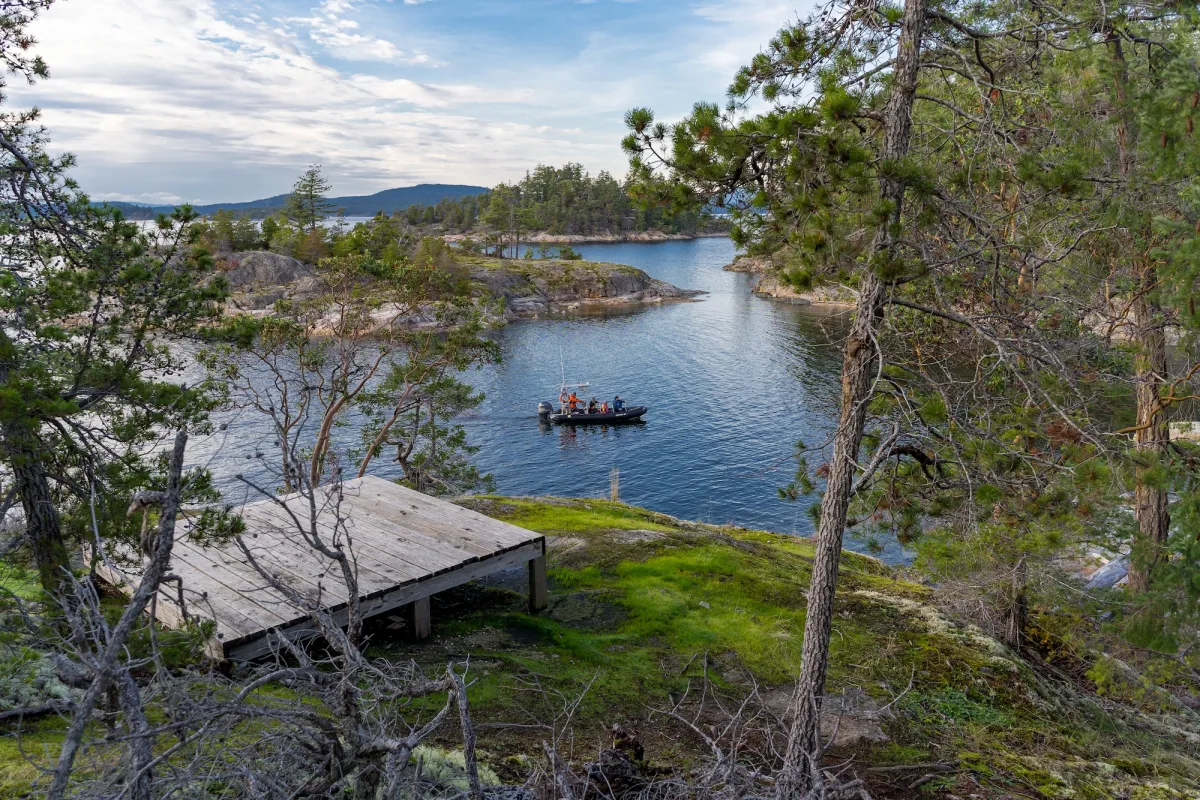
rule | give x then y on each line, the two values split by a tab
534	286
642	603
644	607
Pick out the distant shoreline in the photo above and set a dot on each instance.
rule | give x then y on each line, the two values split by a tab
602	238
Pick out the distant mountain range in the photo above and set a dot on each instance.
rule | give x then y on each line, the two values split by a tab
387	201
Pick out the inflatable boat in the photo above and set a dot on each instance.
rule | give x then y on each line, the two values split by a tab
629	414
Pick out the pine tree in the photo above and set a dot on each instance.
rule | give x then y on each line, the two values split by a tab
887	161
89	305
307	205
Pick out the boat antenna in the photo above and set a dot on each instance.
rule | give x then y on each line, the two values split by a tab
563	366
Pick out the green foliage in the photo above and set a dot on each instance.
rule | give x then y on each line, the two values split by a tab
642	606
88	379
352	348
225	233
307	207
574	516
559	201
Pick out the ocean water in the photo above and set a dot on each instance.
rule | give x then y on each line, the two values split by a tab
733	382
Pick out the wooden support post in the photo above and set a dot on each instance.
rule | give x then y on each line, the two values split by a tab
537	583
418	618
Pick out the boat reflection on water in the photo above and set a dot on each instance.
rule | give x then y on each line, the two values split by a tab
578	436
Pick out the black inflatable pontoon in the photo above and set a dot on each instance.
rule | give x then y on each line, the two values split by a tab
630	414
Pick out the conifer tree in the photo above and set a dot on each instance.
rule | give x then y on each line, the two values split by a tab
308	206
892	158
88	306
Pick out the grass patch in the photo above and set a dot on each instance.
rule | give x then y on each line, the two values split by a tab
579	516
641	604
38	743
19	581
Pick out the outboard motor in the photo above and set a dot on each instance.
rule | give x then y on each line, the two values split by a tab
544	409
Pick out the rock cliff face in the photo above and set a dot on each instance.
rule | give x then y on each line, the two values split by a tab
533	287
773	287
258	279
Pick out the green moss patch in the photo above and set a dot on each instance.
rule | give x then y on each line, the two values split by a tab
643	605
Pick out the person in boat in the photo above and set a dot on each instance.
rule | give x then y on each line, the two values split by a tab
604	407
618	405
573	401
592	406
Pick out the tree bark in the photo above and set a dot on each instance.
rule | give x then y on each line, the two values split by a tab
107	666
1150	366
1152	437
1016	616
43	525
21	448
858	372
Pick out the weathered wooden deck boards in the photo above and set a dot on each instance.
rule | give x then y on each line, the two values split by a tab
407	545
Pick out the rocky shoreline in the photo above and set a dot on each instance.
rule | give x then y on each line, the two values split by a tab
772	287
752	265
530	288
604	238
527	288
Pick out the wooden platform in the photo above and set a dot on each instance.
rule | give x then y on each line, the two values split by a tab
408	546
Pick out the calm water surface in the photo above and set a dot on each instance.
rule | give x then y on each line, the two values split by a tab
733	382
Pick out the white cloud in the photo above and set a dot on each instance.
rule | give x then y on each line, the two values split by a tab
746	26
155	95
328	26
229	99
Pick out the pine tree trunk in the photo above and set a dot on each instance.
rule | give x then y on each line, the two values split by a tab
1016	617
43	526
21	449
1152	437
858	373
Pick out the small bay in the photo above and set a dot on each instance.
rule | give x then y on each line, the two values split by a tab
733	383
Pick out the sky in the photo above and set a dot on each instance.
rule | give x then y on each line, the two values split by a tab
165	101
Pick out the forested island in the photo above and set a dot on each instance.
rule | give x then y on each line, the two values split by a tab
548	206
1004	196
288	258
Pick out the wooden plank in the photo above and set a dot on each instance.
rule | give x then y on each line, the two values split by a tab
214	594
316	581
475	521
236	582
376	569
389	601
447	530
472	524
408	543
395	521
233	582
462	522
289	549
231	622
166	610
